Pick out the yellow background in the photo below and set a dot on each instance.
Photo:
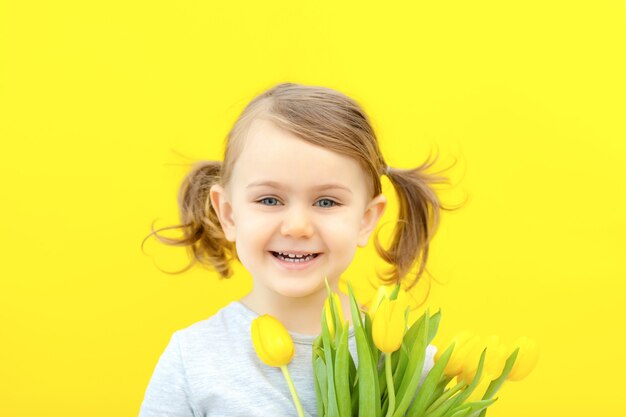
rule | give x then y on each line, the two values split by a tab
102	105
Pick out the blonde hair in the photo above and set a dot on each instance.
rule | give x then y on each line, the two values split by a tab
327	118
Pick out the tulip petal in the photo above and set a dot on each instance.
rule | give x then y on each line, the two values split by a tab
276	341
527	358
272	341
465	342
259	345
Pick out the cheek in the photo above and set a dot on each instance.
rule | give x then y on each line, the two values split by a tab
341	231
348	223
251	224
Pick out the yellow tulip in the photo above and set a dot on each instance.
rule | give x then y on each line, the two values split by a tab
272	341
384	291
363	289
329	314
389	324
274	346
496	354
495	358
464	343
526	360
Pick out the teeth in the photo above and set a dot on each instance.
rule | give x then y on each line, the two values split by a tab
290	257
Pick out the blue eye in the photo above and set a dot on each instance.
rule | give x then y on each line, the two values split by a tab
271	199
332	203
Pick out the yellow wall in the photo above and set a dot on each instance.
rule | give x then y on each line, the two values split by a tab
97	101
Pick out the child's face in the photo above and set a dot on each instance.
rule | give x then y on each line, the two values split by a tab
293	214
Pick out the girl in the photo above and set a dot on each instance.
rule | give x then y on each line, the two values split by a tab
299	189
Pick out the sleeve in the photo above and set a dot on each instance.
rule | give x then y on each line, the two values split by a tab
167	393
429	362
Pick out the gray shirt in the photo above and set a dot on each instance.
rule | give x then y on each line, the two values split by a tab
211	369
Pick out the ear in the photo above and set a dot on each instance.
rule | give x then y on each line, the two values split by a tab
373	212
224	209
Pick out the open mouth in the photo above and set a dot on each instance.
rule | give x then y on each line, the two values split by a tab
289	257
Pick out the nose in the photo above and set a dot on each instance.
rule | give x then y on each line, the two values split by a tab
297	223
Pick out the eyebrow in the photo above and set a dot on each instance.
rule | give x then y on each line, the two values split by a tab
321	187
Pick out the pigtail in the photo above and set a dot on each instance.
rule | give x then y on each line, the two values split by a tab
418	220
202	233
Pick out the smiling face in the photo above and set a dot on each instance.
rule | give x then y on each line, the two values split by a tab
291	197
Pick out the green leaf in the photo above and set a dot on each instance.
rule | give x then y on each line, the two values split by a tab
385	405
411	334
353	377
342	375
497	383
433	326
412	375
369	394
355	400
382	382
461	412
333	410
354	388
478	407
334	312
400	368
376	356
394	292
459	399
418	406
318	349
438	392
321	386
444	402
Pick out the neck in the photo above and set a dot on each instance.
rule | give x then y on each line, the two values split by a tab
301	315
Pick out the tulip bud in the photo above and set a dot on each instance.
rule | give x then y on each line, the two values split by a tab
384	291
464	343
526	360
329	314
471	359
389	324
495	358
272	341
363	290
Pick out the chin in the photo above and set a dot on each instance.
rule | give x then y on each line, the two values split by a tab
300	289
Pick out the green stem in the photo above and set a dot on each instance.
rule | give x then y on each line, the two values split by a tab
292	389
390	389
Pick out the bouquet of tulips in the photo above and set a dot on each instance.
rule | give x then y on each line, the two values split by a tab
391	355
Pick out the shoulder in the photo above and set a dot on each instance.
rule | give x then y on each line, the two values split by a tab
215	335
225	320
